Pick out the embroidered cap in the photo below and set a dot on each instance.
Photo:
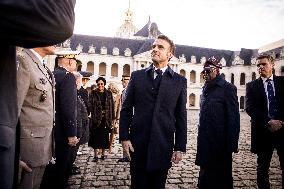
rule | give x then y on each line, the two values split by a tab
67	54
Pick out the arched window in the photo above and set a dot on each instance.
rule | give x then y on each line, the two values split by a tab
232	78
243	79
202	78
253	76
79	65
114	70
126	69
191	99
90	66
102	69
182	72
192	76
242	102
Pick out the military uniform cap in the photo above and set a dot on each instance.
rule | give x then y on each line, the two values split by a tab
67	54
125	77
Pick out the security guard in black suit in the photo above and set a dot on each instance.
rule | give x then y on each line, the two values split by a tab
65	131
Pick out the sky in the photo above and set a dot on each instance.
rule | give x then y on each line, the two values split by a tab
218	24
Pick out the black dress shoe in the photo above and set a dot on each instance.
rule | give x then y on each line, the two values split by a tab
75	167
95	159
102	157
124	159
75	172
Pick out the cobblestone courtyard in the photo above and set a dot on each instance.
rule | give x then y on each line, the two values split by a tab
110	174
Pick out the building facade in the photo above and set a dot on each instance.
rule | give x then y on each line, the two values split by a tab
112	57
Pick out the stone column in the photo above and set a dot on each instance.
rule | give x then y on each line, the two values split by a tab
120	70
108	71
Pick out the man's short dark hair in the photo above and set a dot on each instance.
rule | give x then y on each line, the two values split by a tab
265	55
166	38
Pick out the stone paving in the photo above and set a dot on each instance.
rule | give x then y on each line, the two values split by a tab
110	174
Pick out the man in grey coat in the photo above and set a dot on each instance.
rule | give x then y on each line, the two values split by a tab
36	113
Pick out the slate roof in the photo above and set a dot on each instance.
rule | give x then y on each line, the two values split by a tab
138	46
144	32
108	42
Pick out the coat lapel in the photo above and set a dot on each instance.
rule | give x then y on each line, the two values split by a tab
164	86
261	91
276	87
44	71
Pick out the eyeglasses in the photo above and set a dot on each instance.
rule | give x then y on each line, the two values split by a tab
100	84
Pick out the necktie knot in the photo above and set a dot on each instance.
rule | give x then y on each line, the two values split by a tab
158	71
268	80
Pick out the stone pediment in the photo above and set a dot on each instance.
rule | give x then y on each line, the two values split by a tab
203	60
182	58
238	61
144	55
193	59
115	51
223	62
103	50
127	52
92	49
253	61
79	47
66	43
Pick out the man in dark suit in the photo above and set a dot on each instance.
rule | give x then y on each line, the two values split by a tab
219	128
265	106
31	23
153	118
65	117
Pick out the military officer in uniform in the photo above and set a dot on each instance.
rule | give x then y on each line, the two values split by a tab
65	116
36	113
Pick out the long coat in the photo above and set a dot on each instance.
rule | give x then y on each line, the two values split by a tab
96	108
219	123
256	107
154	121
36	113
42	23
82	121
65	105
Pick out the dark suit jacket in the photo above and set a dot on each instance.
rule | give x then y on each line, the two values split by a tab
159	124
219	123
256	107
29	23
65	105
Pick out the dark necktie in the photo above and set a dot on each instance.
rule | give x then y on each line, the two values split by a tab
158	78
271	100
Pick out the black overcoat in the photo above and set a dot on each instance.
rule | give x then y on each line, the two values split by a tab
256	107
65	105
155	125
219	123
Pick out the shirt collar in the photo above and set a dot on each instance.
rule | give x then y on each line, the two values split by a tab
264	79
163	69
167	69
37	55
